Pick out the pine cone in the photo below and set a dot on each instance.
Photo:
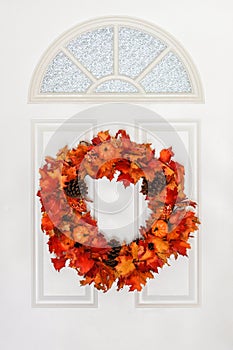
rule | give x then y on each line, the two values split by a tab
114	243
77	245
158	184
76	188
111	263
84	143
113	254
144	188
151	246
152	188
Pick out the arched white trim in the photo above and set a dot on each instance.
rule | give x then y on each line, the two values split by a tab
115	77
195	95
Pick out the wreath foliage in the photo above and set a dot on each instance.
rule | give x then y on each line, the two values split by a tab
73	233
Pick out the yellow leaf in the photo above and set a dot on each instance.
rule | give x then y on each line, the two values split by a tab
160	245
148	254
103	135
61	155
134	250
167	171
125	265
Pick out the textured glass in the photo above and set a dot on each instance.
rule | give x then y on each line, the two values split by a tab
95	51
169	75
137	49
116	85
63	75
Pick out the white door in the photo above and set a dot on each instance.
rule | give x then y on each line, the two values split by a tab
189	304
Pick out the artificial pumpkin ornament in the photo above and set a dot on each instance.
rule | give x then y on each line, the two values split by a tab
73	233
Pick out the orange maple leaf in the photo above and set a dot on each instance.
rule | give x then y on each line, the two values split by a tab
106	169
101	137
134	250
136	172
46	224
101	275
137	279
166	154
180	247
125	265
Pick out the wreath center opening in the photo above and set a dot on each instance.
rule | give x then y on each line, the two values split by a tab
108	192
116	207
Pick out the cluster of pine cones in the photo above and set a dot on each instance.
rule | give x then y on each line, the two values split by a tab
152	188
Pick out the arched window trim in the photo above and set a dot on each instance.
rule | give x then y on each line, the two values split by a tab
35	96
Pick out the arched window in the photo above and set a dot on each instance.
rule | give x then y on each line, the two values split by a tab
115	59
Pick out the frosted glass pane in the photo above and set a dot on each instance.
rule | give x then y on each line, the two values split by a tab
94	50
137	49
169	75
63	75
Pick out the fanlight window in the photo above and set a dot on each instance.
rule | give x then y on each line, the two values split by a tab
115	59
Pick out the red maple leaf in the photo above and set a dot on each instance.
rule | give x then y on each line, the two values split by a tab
59	263
84	263
123	165
180	247
101	137
123	134
59	245
46	224
171	196
87	218
126	179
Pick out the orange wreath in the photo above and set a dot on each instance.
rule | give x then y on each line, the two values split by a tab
73	233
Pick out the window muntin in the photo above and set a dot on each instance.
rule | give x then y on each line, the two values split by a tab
118	58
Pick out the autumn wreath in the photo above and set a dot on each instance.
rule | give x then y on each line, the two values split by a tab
73	233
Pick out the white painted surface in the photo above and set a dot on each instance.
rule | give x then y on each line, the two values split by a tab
204	28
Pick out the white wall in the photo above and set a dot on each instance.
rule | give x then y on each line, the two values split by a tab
205	30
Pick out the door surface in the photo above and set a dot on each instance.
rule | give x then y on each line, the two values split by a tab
190	304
